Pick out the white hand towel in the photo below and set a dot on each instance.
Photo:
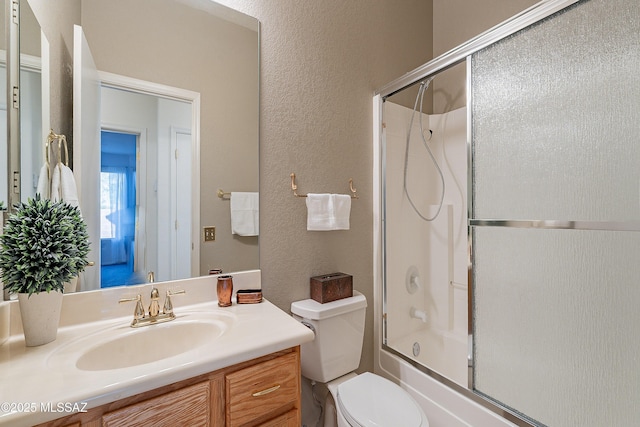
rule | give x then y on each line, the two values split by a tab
55	194
245	214
43	182
326	212
68	189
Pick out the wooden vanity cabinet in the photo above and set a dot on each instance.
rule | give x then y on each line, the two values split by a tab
262	392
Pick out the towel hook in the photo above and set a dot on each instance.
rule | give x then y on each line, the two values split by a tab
61	140
294	186
353	190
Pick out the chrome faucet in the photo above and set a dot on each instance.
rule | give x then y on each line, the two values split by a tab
140	318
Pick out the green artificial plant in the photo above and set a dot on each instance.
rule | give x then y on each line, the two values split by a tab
44	245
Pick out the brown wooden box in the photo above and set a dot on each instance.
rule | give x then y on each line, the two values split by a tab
331	287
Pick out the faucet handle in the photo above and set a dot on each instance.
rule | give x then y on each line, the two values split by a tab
138	312
168	307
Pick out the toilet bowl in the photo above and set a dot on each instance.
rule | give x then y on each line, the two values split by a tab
369	400
365	400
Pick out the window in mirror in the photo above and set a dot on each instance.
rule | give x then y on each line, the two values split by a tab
118	209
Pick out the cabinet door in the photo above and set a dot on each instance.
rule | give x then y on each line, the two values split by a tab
188	406
261	389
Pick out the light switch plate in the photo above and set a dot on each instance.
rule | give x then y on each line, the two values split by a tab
209	233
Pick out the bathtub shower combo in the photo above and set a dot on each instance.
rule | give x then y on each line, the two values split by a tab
507	226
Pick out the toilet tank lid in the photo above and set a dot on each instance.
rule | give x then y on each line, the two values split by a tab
313	310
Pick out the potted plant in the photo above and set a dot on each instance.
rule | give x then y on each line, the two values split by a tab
44	245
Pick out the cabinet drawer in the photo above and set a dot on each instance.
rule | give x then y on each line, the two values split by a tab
289	419
188	406
260	389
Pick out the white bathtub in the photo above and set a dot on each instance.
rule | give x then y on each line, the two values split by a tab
444	353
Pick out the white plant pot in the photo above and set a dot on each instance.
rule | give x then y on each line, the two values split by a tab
71	285
40	315
4	321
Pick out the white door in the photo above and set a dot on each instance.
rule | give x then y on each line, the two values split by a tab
86	149
181	193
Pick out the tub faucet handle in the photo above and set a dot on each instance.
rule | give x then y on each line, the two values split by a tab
418	314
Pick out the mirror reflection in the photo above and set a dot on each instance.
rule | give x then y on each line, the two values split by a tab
4	177
191	66
33	101
137	127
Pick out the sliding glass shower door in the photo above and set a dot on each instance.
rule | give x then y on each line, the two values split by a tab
555	217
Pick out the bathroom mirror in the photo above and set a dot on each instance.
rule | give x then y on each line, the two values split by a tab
198	47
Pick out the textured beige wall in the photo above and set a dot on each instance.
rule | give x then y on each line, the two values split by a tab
321	64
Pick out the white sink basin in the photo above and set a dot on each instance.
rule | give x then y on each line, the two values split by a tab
148	344
121	346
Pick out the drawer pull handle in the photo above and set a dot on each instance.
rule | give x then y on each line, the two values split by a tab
266	391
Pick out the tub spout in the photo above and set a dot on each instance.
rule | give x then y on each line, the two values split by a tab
418	314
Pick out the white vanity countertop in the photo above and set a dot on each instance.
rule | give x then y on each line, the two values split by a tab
34	377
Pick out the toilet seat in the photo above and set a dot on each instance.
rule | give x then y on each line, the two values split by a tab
369	400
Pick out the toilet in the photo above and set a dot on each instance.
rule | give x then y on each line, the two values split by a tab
364	400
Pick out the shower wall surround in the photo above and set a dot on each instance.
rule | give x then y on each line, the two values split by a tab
555	112
426	276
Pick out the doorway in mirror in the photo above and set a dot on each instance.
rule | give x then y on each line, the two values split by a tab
146	187
118	213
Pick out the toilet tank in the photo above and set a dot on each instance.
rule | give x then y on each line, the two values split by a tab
339	331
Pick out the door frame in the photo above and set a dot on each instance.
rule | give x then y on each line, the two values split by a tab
130	84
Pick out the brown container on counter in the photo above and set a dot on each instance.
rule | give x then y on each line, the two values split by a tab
331	287
225	290
249	296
